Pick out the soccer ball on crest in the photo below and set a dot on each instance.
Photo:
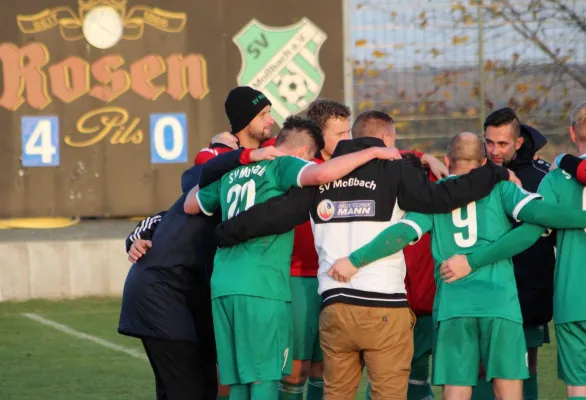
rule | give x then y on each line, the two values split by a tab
292	89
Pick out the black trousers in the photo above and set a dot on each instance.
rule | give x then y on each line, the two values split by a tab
183	370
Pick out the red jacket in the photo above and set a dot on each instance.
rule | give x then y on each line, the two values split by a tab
419	280
304	261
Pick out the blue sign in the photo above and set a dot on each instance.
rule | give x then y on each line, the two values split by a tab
40	141
168	138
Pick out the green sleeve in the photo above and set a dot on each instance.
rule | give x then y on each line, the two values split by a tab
552	216
209	198
392	239
288	172
547	188
514	198
513	242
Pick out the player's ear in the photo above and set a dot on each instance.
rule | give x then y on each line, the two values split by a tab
572	134
386	139
447	162
483	162
519	142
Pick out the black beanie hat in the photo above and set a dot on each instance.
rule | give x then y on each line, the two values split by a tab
242	105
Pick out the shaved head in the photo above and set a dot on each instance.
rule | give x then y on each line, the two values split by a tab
465	148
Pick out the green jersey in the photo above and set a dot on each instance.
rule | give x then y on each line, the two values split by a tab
569	302
491	290
258	267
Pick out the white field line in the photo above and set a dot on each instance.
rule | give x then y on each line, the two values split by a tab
72	332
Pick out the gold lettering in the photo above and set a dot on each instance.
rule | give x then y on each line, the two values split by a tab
105	121
70	79
187	74
19	75
143	71
46	23
105	71
155	20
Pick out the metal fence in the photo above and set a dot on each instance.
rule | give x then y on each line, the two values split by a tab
439	67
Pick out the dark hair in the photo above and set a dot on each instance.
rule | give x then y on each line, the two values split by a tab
502	117
322	110
364	119
296	124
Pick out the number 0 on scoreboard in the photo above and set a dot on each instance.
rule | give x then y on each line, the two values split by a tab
168	138
40	141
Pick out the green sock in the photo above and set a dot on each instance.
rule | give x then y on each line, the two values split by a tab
530	387
368	397
291	391
264	390
577	398
482	390
315	389
239	392
419	385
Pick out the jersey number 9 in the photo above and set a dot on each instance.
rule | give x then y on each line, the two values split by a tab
469	223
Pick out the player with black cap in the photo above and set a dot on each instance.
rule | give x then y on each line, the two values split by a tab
248	111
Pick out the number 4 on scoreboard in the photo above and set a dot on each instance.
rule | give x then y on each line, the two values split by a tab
40	141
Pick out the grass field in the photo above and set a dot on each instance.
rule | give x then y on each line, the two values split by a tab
39	361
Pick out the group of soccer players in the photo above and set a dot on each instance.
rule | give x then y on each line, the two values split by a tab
266	305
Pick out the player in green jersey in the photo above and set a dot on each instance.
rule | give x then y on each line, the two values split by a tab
558	187
250	283
569	301
477	318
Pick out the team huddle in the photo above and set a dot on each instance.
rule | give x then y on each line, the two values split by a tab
294	264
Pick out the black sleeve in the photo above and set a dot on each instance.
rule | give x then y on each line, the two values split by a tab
215	168
574	166
276	215
145	229
417	193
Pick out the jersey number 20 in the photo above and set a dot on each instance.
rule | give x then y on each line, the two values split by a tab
237	194
469	223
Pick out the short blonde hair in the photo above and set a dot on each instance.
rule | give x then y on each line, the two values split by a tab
578	121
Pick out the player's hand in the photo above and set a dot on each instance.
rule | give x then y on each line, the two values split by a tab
513	178
227	139
387	153
457	267
342	270
437	168
266	153
138	249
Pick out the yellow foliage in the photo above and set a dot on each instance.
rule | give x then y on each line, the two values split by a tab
459	39
522	87
435	52
364	104
360	43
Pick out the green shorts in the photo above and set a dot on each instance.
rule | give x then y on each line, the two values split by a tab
306	304
461	344
422	336
571	340
253	338
536	336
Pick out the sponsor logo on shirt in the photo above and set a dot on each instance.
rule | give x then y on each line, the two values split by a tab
327	209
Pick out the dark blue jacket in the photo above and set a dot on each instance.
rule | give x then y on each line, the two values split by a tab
167	293
534	268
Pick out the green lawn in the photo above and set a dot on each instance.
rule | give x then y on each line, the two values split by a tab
40	362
